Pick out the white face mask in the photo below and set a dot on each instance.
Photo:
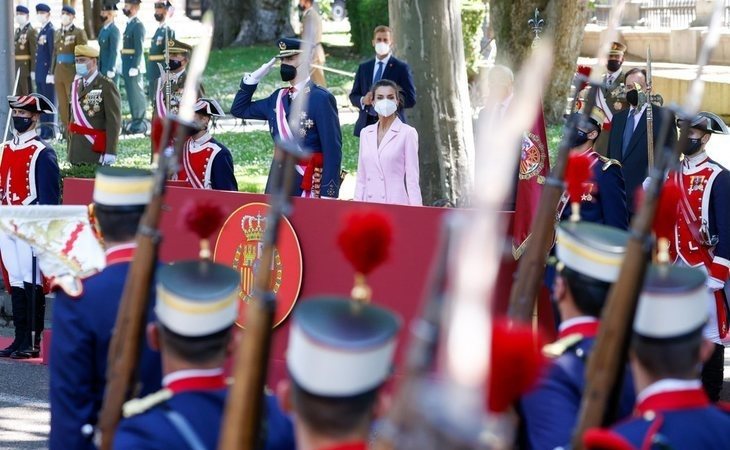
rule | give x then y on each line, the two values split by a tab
382	49
42	18
21	19
385	107
66	20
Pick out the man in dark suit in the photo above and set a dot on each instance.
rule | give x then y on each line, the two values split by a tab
627	142
386	66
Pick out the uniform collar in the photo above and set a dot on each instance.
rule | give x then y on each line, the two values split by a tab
671	394
584	325
88	81
298	87
176	76
195	380
197	144
70	27
120	253
694	161
107	25
24	137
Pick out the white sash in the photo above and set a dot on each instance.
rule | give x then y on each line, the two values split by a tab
283	125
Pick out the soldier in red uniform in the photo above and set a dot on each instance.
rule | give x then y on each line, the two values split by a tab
702	233
206	163
28	175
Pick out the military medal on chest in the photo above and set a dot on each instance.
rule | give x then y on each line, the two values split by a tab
92	102
305	123
69	40
42	40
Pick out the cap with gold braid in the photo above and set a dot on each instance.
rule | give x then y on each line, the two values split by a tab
617	49
122	187
340	347
89	50
177	47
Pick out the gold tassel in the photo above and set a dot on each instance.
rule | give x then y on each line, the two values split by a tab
361	291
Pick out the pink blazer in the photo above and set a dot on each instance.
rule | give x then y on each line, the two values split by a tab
389	173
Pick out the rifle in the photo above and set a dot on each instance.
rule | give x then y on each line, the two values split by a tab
532	264
125	345
608	358
649	110
10	111
168	84
452	408
241	424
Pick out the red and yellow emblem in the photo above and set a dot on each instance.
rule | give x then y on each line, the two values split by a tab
240	243
532	156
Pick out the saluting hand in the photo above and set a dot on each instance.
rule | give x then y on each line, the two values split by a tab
255	77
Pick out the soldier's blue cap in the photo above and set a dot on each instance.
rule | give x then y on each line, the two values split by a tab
673	303
197	298
68	10
288	46
166	5
42	7
594	250
339	347
22	9
109	7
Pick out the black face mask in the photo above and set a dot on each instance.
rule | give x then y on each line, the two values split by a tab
580	137
175	64
288	72
22	124
300	8
693	146
159	17
632	97
613	65
127	12
103	19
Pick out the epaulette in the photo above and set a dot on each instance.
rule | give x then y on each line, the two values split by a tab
608	162
140	405
560	346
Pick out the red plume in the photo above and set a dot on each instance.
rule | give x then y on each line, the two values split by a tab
585	71
516	363
365	239
666	211
156	133
202	217
577	173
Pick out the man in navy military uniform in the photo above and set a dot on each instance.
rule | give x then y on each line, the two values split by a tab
29	175
319	125
206	163
43	64
388	67
157	48
335	401
109	41
590	258
672	410
82	326
627	141
604	200
196	309
133	66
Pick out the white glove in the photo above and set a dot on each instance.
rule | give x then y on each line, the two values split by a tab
713	284
255	77
110	74
32	76
50	79
107	159
133	72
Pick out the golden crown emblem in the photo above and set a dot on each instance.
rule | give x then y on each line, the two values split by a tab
282	45
253	227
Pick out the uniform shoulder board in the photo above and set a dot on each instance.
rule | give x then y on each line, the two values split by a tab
140	405
560	346
608	162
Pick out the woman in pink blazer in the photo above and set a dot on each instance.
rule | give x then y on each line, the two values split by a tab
387	167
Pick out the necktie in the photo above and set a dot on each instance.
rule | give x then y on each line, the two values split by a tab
379	73
628	131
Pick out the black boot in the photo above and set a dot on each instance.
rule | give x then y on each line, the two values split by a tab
40	316
20	317
712	373
28	349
